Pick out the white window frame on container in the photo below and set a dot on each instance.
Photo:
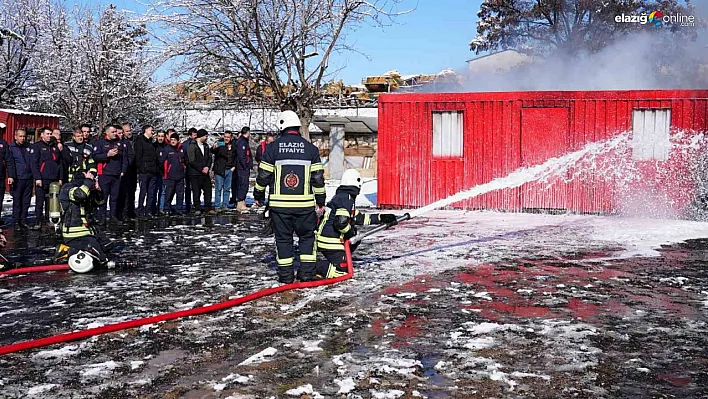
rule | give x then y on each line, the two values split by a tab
448	134
651	134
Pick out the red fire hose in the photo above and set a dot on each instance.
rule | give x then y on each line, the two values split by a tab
90	332
36	269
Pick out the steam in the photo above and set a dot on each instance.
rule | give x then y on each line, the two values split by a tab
652	59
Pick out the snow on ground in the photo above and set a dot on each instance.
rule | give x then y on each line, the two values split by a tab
453	303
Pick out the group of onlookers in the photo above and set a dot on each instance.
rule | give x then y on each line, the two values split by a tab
159	166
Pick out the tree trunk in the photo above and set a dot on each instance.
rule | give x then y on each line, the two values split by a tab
305	115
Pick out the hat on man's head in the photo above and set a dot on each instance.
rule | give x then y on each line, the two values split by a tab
174	136
201	133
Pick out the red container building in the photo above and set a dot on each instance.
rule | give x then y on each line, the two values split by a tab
435	145
30	121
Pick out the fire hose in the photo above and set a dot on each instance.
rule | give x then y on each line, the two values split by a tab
90	332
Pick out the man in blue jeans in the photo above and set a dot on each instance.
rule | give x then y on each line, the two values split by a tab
224	154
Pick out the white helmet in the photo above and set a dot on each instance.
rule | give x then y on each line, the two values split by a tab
288	119
351	177
81	262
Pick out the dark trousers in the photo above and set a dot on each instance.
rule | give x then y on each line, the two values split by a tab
201	184
148	189
188	193
239	185
173	187
21	197
126	195
302	224
110	188
41	201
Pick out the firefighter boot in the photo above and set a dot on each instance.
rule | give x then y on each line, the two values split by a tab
286	274
241	207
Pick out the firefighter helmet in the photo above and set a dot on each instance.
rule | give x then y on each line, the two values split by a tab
351	177
288	119
81	262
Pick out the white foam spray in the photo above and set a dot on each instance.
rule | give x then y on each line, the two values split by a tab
609	160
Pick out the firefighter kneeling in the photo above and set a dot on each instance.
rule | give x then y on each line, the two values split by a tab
337	225
80	247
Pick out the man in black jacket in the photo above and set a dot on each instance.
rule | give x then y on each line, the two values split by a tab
129	182
7	162
46	169
174	161
112	163
148	171
20	173
199	164
244	164
224	155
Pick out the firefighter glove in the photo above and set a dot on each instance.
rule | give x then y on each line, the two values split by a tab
388	218
351	233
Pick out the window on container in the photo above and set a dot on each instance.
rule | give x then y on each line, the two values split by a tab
650	134
447	134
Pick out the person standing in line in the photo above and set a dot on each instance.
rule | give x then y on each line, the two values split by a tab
174	161
224	155
146	162
199	165
112	165
20	179
129	182
191	138
162	142
46	169
78	156
244	164
6	163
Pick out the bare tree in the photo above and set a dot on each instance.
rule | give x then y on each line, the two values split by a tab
278	50
95	67
20	23
570	26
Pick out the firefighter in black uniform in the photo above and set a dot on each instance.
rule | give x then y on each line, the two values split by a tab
46	169
78	155
338	224
292	164
173	159
80	246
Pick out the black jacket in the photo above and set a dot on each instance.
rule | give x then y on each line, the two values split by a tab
146	156
223	158
196	160
293	166
244	160
46	161
114	165
20	168
7	162
173	161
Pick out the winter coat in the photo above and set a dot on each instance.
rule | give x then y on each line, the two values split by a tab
114	165
6	159
21	168
223	158
46	162
146	156
196	160
244	160
173	161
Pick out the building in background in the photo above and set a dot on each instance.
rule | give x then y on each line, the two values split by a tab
30	121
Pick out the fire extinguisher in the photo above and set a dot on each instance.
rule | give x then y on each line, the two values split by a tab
54	204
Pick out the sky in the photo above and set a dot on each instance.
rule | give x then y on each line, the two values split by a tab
433	37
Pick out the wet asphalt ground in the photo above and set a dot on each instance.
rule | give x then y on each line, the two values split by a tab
514	321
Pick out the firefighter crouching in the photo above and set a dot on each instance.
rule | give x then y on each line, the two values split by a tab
80	246
293	166
338	224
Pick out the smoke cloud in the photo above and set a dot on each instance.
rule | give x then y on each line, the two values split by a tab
652	59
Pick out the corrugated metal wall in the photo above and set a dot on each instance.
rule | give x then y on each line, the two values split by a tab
503	131
30	122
